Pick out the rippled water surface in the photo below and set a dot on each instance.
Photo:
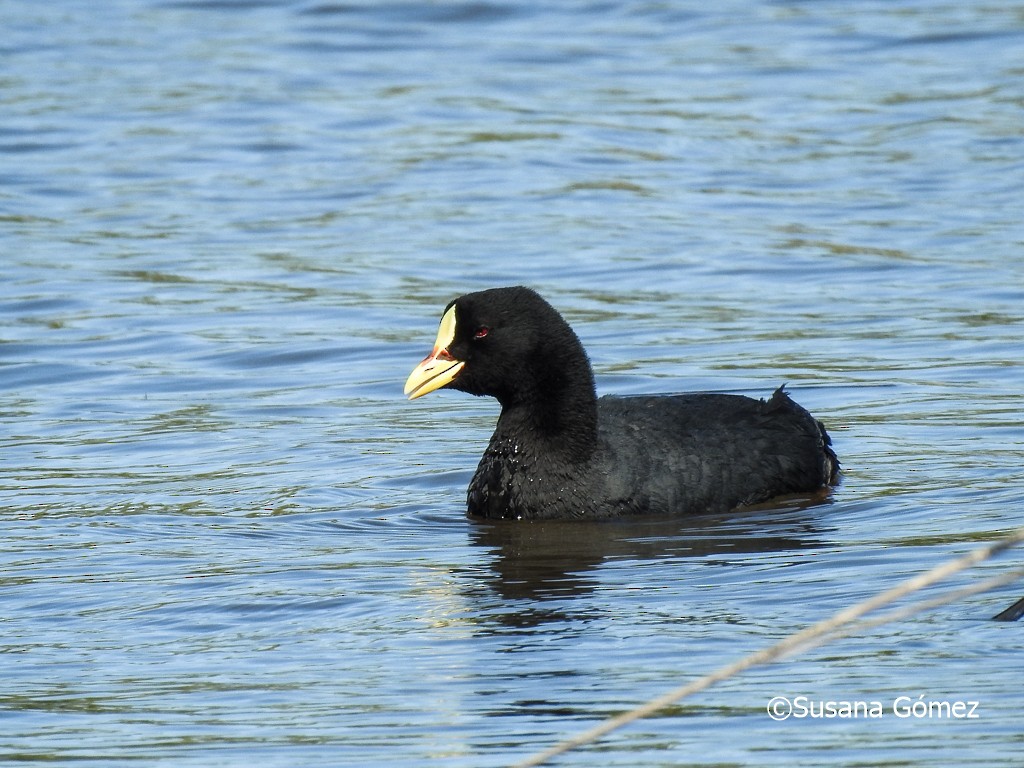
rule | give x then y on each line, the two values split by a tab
227	231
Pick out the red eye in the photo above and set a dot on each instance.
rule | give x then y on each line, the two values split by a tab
481	332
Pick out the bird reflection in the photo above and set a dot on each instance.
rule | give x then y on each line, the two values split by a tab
557	559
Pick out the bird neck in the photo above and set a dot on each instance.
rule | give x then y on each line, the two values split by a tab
558	413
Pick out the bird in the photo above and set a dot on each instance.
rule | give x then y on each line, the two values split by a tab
561	452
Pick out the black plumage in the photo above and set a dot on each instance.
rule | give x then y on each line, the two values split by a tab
559	451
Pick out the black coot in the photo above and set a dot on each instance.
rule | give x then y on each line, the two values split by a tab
559	451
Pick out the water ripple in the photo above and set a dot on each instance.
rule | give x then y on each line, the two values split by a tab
229	229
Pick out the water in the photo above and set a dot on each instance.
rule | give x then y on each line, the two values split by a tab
228	230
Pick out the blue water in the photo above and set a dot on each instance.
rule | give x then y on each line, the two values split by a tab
227	232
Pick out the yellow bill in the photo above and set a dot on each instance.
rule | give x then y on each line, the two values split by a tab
439	367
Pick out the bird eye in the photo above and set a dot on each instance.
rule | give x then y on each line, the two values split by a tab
481	332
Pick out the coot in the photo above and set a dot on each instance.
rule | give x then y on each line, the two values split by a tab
559	451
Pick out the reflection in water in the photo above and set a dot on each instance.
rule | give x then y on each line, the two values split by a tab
555	558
